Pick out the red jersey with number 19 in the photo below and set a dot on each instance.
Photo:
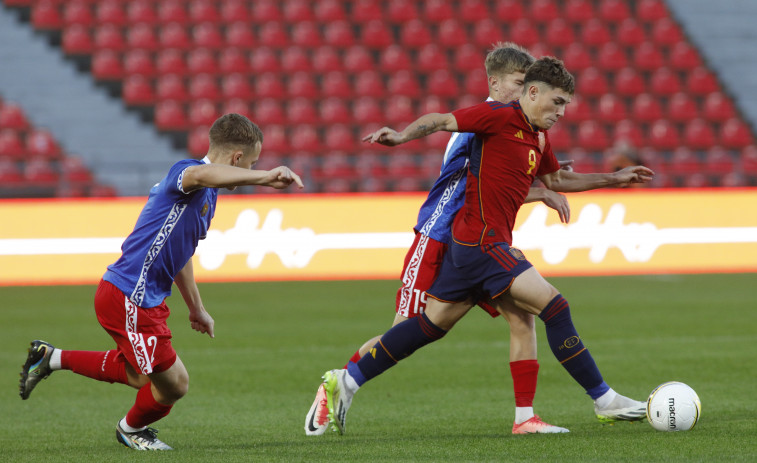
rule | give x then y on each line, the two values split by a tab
508	153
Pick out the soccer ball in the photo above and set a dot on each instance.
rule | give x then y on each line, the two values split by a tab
673	406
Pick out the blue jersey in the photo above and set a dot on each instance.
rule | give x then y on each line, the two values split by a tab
448	193
164	238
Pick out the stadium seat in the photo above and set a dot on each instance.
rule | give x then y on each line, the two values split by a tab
434	104
74	171
111	12
174	35
664	82
684	161
11	144
651	10
369	83
451	34
592	82
579	11
718	160
306	34
592	136
415	34
475	83
235	105
39	173
170	116
40	142
265	11
630	33
172	12
137	91
508	11
396	58
207	35
735	134
611	108
141	12
376	35
472	11
339	34
718	107
612	57
595	33
561	137
202	113
698	134
696	180
141	37
577	58
559	33
305	137
583	161
365	11
76	12
399	111
665	32
401	12
580	109
239	35
527	33
170	62
646	108
339	137
46	16
264	60
647	57
358	58
202	61
748	160
302	84
233	61
334	111
432	58
663	135
733	180
543	11
700	81
106	65
485	33
684	57
76	40
401	163
327	59
326	11
198	143
233	11
138	62
12	116
629	132
10	174
277	140
268	111
614	11
270	85
336	84
467	58
436	11
367	110
301	111
682	108
442	83
369	165
273	35
236	86
296	59
171	87
204	11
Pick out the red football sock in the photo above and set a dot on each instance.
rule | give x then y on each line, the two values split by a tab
355	357
524	374
146	409
102	366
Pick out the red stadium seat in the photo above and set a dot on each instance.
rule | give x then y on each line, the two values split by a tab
733	180
237	106
204	87
442	83
174	35
577	58
396	58
579	110
46	16
612	57
700	81
306	34
111	12
236	86
735	134
685	162
666	32
579	11
141	11
468	58
239	35
402	164
141	37
561	137
171	87
302	84
452	34
202	113
696	180
233	11
327	59
268	111
543	11
74	171
630	33
401	12
592	136
266	11
172	11
699	135
276	139
433	104
369	83
400	111
369	165
719	161
306	137
204	11
301	111
485	33
364	11
582	161
559	33
527	33
329	10
296	59
476	84
629	83
415	34
138	62
207	35
646	108
340	34
404	83
232	61
682	108
77	12
592	82
748	160
336	84
432	58
12	116
274	35
137	91
472	11
376	35
334	111
506	11
664	82
339	137
202	61
367	110
296	11
77	40
647	57
11	145
170	61
651	10
40	173
40	142
664	135
10	175
436	11
264	60
357	59
684	57
595	33
611	108
106	65
718	107
629	132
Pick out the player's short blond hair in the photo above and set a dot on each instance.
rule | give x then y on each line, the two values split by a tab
234	130
507	58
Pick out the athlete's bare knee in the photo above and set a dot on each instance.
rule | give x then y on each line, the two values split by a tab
365	348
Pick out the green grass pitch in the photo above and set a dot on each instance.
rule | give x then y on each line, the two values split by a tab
251	386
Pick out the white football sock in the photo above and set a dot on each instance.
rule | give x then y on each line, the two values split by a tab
55	359
128	428
350	383
605	399
523	414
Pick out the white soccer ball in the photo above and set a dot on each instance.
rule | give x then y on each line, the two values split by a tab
673	406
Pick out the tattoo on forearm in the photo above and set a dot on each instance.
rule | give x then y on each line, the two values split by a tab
425	129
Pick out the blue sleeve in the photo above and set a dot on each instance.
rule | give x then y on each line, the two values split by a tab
171	184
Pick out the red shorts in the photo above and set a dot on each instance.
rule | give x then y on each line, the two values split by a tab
142	335
422	264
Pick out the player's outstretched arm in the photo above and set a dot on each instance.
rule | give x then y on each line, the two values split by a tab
199	318
224	176
554	200
566	182
424	125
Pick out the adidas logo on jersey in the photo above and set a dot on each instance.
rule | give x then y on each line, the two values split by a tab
519	134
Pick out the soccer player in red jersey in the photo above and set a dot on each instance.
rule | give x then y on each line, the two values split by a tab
130	299
505	65
512	148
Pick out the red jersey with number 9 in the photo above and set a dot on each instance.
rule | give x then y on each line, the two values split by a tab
508	153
